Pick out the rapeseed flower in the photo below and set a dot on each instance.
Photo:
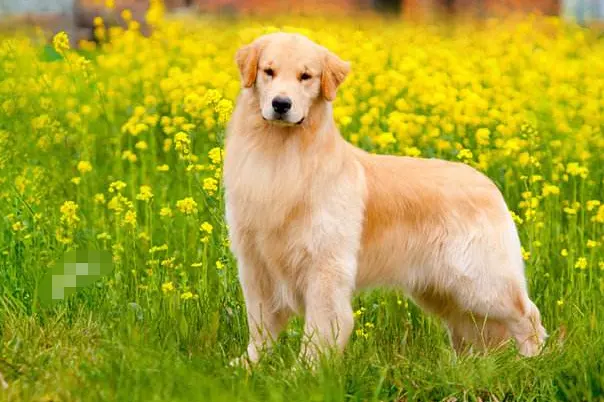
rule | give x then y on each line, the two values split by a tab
84	167
61	42
187	206
145	193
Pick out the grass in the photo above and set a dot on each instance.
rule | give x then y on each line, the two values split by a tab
118	147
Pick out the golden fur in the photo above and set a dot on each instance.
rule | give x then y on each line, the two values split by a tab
312	218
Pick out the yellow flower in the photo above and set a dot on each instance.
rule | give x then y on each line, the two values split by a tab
84	167
523	159
224	108
412	151
516	218
592	204
219	265
384	140
564	252
76	180
130	218
151	100
210	185
69	211
81	64
133	25
126	15
212	97
206	227
187	206
182	142
129	155
216	155
581	263
550	189
167	287
574	169
155	12
599	217
165	212
186	295
570	211
361	333
99	198
163	168
61	42
118	203
63	236
144	194
18	226
117	186
465	154
592	244
482	136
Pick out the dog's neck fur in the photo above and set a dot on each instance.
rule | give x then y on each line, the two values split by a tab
318	131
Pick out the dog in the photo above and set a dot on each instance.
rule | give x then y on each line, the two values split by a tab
312	218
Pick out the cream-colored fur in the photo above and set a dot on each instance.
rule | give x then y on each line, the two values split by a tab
312	218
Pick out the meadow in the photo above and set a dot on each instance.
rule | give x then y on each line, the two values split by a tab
118	146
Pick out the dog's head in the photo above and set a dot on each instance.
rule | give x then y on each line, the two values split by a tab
289	73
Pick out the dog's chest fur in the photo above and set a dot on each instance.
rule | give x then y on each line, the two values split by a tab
291	210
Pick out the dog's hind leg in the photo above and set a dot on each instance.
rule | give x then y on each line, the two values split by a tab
509	311
467	330
525	326
491	284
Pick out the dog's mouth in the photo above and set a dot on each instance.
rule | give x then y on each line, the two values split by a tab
282	122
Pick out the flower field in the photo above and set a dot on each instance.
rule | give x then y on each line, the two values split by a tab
117	146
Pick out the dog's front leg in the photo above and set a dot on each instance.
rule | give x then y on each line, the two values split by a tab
329	318
265	319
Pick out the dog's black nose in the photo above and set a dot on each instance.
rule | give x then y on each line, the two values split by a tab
281	104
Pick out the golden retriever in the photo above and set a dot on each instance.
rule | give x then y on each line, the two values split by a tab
312	218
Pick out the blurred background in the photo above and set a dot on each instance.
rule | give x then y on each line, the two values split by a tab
76	16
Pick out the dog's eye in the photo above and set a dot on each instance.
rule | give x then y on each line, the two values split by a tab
305	76
269	72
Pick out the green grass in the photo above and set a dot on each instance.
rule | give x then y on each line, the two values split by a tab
132	336
96	348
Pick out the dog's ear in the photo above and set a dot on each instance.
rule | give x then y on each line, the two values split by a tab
334	72
247	61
